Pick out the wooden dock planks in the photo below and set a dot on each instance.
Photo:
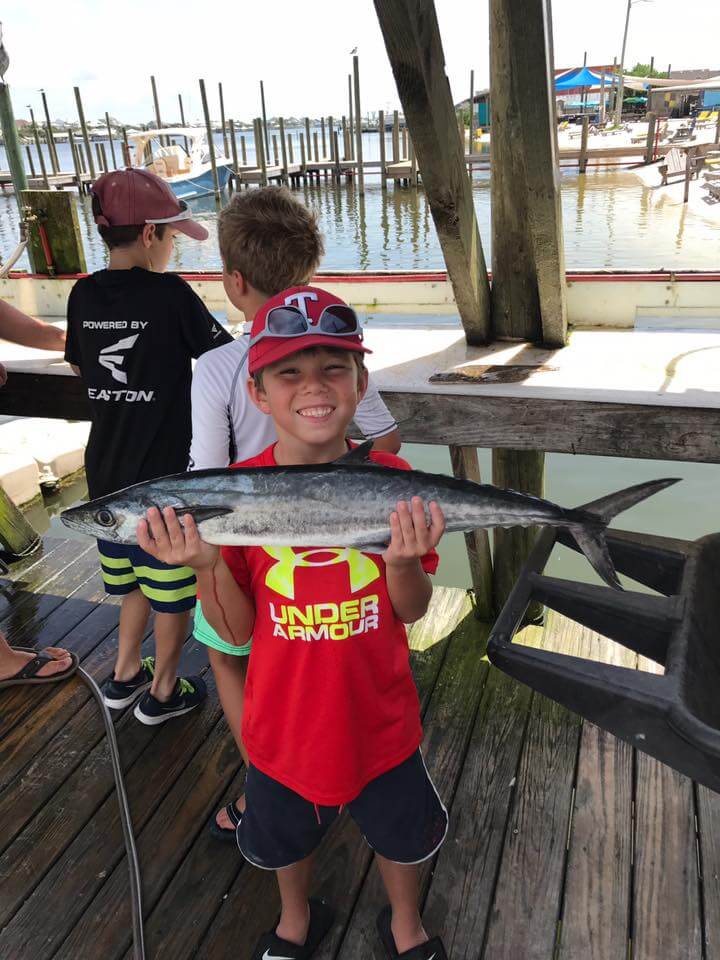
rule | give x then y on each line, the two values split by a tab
524	872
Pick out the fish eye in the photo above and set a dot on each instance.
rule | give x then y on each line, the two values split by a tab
105	518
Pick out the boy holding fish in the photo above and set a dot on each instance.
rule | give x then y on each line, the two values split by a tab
331	715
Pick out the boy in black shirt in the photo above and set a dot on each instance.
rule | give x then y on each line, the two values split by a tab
132	331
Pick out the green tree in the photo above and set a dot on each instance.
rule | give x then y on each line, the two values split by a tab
644	70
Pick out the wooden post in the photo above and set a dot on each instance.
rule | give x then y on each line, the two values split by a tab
465	466
182	122
76	161
276	159
260	151
103	154
38	147
383	164
163	140
689	155
336	153
31	162
396	136
316	153
233	148
528	263
83	127
324	142
303	157
584	144
413	163
16	535
211	142
351	114
471	125
283	148
81	156
222	120
110	139
11	140
126	148
405	153
290	151
358	128
717	128
264	120
243	150
346	144
521	470
650	140
56	212
412	38
331	138
98	157
601	117
50	136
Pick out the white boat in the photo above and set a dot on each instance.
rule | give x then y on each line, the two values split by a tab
183	160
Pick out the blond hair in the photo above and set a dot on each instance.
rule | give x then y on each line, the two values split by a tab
271	238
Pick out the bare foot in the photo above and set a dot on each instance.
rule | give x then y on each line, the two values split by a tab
12	661
223	820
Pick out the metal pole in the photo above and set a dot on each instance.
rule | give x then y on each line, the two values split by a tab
83	127
12	144
358	127
264	120
110	138
50	138
211	145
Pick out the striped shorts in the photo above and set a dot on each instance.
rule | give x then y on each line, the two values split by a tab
125	567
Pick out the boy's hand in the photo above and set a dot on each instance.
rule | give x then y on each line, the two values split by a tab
162	536
410	536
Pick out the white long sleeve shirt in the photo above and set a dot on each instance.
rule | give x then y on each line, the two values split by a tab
227	427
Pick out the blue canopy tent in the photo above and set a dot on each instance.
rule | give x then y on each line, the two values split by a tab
580	77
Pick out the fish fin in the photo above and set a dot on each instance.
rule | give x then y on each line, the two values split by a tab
614	503
205	513
370	547
359	454
590	537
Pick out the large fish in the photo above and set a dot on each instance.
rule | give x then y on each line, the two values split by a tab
346	503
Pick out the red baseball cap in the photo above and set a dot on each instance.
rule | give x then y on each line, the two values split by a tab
133	196
310	301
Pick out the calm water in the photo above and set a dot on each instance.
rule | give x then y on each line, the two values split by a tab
608	222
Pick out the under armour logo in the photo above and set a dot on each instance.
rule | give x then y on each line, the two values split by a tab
281	576
299	300
112	360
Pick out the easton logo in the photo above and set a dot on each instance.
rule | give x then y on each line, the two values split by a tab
112	360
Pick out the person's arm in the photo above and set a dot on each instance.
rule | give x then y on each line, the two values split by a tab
210	446
226	607
18	327
200	330
376	422
411	539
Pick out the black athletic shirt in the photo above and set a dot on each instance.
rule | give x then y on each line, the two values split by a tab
133	333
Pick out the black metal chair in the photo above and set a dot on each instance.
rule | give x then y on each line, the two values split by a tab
675	716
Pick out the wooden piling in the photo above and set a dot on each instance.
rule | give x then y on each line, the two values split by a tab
413	164
383	163
31	162
126	148
56	212
260	151
396	137
689	158
38	147
182	122
163	140
358	128
717	128
346	144
110	140
211	142
283	148
276	159
405	153
264	121
521	470
350	118
316	153
222	120
76	161
52	146
465	466
471	125
103	154
417	60
331	138
303	156
322	136
98	158
243	150
83	128
584	144
290	150
233	148
528	260
650	139
602	97
336	154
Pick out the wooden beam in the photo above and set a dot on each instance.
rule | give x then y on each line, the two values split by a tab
412	39
528	261
466	466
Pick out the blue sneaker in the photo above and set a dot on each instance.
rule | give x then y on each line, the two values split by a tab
121	693
189	693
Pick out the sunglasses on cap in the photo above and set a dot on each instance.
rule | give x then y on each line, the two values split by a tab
337	320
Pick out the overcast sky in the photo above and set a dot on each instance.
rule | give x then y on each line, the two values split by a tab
300	51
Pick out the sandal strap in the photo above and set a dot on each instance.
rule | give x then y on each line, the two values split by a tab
33	667
234	814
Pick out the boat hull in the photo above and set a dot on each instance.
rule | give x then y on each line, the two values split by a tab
200	184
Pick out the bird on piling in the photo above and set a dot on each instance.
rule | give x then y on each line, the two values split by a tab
353	51
4	58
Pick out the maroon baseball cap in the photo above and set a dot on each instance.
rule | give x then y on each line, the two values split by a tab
132	197
311	302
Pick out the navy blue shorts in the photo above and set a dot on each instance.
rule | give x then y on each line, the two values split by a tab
399	813
125	567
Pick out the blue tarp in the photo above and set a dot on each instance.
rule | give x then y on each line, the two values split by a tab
580	77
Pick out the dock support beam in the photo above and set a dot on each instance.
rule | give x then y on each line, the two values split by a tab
412	39
211	142
528	264
358	128
83	128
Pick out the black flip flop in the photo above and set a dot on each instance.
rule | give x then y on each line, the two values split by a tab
28	674
227	833
272	947
430	950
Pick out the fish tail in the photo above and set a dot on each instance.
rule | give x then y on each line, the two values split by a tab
589	532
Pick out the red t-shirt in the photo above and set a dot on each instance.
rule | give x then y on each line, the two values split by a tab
330	702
